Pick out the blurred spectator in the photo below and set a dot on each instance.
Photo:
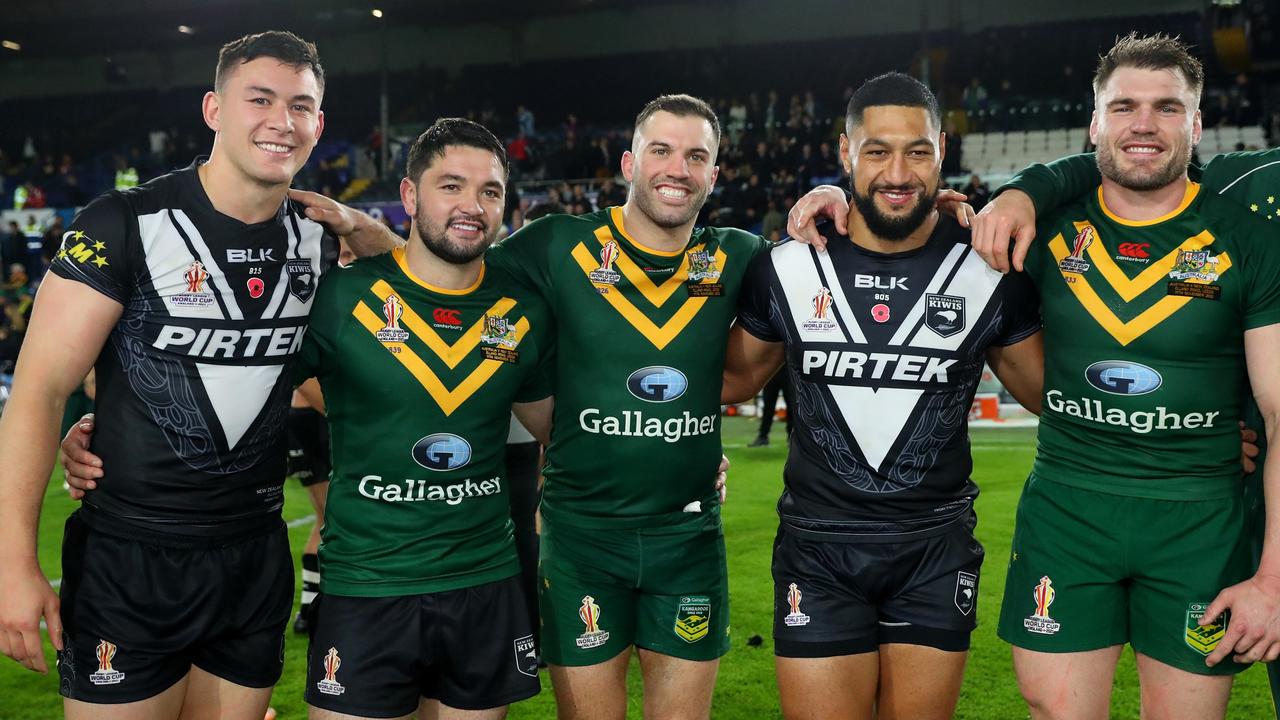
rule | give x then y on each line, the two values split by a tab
126	174
978	192
975	104
611	194
773	222
524	121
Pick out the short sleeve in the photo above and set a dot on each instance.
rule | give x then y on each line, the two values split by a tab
538	382
1053	185
1261	265
755	299
319	343
98	248
1021	309
523	256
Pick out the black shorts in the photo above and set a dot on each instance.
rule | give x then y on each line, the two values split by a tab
139	611
471	649
308	445
845	598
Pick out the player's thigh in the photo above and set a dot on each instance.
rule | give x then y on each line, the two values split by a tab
1187	552
482	655
828	688
1066	589
592	692
435	710
683	607
675	688
1170	693
164	706
918	682
586	593
315	713
823	606
1068	685
365	656
210	697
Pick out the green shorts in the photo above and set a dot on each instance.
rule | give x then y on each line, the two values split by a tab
1090	570
662	589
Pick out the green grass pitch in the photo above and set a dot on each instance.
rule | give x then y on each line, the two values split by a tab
746	686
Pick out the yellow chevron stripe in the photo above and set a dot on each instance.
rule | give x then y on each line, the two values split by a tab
448	400
450	354
1126	332
656	294
1129	289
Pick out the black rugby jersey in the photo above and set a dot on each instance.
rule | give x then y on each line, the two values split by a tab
193	396
885	352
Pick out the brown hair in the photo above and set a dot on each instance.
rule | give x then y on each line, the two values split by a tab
1150	52
682	106
281	45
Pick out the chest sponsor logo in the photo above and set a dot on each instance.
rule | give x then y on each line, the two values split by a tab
652	313
657	384
392	311
105	674
302	278
250	255
823	319
229	343
879	282
195	294
1203	638
1040	622
795	618
330	685
1119	377
634	423
966	591
411	490
1191	260
592	637
855	365
1075	262
693	618
944	314
526	656
1134	252
441	452
1138	421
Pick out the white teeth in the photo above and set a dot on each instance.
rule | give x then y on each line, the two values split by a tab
672	193
272	147
1142	150
465	227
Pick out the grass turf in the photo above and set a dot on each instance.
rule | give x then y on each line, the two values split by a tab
746	686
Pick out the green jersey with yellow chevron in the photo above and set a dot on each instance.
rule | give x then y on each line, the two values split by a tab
1144	353
640	343
418	383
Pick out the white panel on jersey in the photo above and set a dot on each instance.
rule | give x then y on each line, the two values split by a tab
308	248
168	260
218	278
800	283
232	390
842	302
935	283
875	417
976	283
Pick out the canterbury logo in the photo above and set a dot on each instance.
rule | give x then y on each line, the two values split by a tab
445	316
450	354
1134	250
1128	288
657	295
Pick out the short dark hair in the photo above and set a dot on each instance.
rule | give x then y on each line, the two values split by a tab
1150	52
891	88
279	44
683	106
542	209
450	132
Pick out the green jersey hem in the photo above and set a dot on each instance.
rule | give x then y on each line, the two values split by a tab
1173	487
377	588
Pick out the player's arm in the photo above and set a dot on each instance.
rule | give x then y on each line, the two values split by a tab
69	326
1253	632
1020	368
310	391
536	417
748	364
831	202
364	235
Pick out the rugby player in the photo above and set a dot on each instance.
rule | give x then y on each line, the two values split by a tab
875	565
188	295
1157	293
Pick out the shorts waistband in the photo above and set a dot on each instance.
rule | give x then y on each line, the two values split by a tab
870	532
108	523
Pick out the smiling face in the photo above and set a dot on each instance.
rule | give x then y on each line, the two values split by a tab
457	203
671	167
267	118
894	161
1145	123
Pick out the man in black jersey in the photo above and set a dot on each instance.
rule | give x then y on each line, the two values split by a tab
187	295
875	565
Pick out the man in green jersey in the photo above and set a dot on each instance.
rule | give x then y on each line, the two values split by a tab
632	549
1155	295
420	355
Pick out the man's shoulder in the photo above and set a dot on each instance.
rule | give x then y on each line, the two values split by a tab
730	238
548	229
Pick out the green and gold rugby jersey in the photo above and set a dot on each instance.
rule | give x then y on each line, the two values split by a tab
1144	352
418	383
640	344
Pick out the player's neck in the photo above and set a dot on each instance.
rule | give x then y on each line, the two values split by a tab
862	236
1142	205
234	196
651	235
431	269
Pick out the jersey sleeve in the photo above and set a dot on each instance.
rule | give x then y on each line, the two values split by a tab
1245	177
538	381
755	299
98	249
1261	265
523	256
326	315
1057	183
1021	309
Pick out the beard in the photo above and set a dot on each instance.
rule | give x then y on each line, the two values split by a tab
436	238
1143	179
664	216
888	227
